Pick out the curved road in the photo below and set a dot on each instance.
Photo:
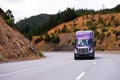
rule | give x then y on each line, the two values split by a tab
62	66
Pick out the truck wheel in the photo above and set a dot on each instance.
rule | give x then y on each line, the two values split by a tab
93	56
75	58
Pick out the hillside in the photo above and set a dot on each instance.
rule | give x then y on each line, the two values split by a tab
13	45
33	21
105	26
40	24
33	25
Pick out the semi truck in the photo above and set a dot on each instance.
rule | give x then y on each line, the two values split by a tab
84	45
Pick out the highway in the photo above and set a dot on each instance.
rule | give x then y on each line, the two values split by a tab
62	66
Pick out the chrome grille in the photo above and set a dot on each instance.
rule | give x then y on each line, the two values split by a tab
83	50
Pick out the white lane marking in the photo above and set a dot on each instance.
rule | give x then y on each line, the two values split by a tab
80	76
1	75
95	63
28	69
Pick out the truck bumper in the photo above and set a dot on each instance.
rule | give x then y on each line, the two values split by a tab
88	55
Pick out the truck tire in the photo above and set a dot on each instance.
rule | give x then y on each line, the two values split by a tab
93	56
75	57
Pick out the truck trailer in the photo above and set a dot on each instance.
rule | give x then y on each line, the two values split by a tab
84	45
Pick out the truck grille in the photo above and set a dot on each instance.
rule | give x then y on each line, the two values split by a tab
83	51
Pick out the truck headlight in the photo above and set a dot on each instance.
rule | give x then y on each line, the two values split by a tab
75	50
91	50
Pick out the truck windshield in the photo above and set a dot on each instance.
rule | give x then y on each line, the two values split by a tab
84	42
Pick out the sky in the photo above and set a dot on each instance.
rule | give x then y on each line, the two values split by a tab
26	8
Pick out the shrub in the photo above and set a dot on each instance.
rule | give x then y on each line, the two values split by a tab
109	24
40	54
9	22
108	34
73	21
101	36
39	39
76	29
96	33
59	31
83	24
117	38
74	24
102	49
112	18
47	37
100	20
1	57
76	19
56	31
100	42
55	38
92	28
119	44
64	29
116	22
93	20
89	23
103	30
117	33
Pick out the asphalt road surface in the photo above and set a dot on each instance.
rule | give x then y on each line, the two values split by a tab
62	66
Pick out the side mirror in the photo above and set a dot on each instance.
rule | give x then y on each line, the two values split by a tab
73	43
94	44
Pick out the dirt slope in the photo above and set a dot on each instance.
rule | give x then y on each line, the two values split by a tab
13	45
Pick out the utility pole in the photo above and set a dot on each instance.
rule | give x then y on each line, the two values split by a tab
103	6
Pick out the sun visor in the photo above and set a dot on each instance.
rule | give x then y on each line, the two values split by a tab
84	35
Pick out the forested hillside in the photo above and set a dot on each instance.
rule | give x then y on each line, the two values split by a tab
33	25
40	24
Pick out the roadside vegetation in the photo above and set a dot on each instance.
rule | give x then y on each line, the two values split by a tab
9	18
1	57
39	39
41	54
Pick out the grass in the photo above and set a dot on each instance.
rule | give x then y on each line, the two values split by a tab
102	49
40	54
1	57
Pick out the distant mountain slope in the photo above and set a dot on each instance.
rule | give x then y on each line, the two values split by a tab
33	25
34	21
13	45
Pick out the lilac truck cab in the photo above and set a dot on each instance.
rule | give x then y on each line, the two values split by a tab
84	45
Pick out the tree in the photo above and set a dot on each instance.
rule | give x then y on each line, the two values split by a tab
55	38
39	39
108	34
64	29
47	37
117	33
10	15
9	18
69	14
